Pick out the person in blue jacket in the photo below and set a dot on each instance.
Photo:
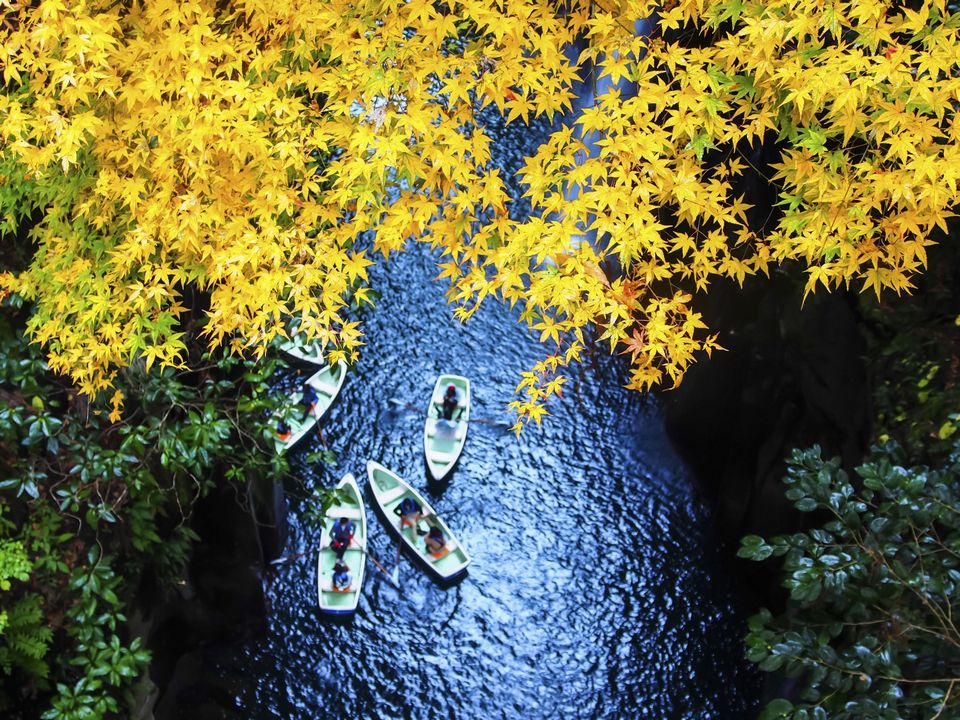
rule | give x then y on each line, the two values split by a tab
340	536
309	398
342	580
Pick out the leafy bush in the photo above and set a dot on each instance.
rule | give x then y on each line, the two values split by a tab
869	629
88	503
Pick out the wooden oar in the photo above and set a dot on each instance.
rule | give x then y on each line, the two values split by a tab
384	571
408	406
379	566
395	575
492	421
288	558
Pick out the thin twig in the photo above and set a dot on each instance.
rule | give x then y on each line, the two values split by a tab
946	698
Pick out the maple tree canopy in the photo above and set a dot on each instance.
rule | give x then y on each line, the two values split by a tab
241	147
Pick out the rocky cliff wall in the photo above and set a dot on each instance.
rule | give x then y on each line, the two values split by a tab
791	376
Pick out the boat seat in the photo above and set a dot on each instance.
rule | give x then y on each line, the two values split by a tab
326	585
325	388
392	494
351	513
458	432
441	457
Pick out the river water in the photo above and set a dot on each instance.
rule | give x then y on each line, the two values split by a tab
595	589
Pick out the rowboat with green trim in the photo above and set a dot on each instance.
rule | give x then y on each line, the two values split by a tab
300	418
443	440
389	490
298	347
343	602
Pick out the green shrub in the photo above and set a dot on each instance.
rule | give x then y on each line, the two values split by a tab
870	626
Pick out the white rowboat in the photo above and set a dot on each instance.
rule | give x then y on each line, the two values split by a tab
327	382
443	440
296	348
389	490
299	347
336	602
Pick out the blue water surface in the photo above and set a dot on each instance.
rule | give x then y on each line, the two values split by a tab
595	591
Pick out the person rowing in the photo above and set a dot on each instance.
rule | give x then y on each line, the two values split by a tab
451	401
410	513
341	534
309	398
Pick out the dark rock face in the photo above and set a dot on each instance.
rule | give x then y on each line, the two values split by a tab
222	604
790	377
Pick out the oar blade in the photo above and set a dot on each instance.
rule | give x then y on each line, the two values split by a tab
402	403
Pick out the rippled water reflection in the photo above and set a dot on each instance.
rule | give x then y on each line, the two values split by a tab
595	590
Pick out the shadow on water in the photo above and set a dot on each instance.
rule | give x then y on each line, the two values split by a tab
344	621
436	488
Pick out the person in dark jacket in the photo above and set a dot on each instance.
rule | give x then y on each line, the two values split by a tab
451	402
435	541
340	536
410	513
309	398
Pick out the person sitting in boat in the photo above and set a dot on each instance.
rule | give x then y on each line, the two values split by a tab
309	398
342	580
340	536
283	431
410	514
451	401
435	541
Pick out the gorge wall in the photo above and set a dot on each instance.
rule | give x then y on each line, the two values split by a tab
791	376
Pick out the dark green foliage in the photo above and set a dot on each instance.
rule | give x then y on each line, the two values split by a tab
870	627
914	360
24	638
87	506
319	502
